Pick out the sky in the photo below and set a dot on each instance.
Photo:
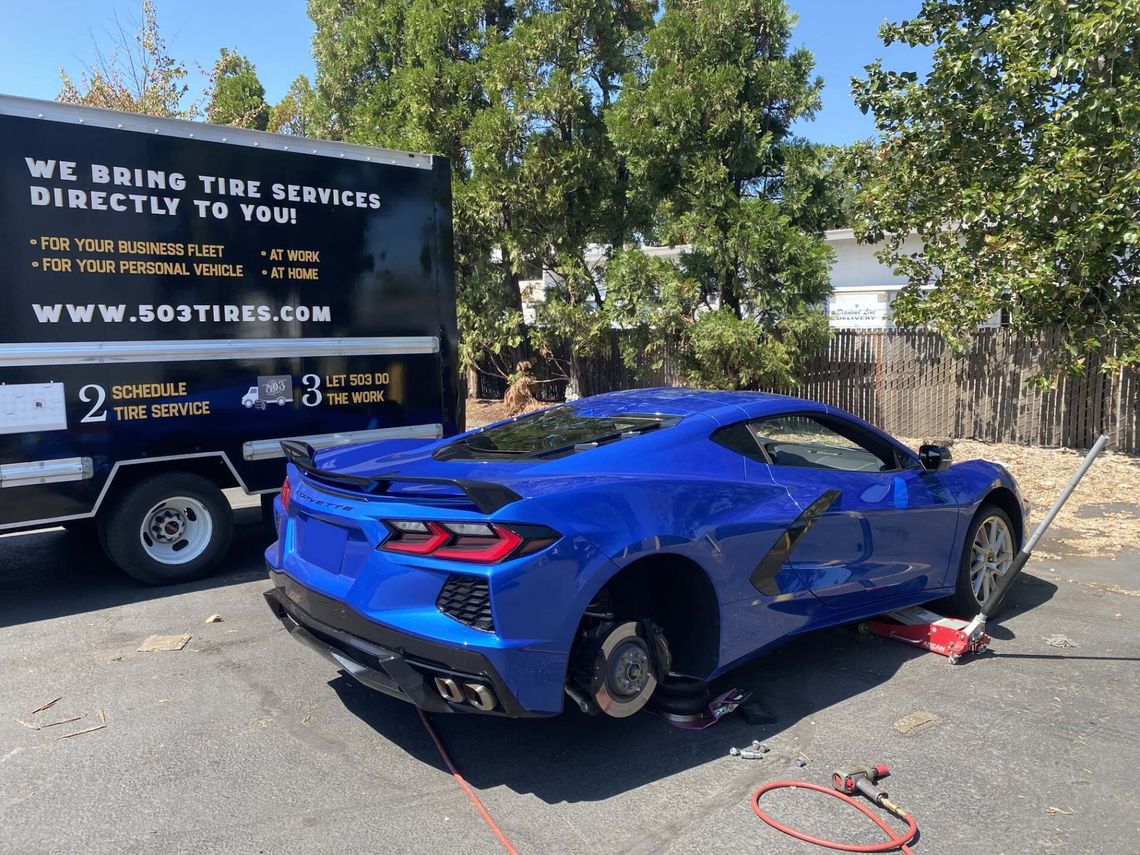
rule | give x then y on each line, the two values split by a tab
37	38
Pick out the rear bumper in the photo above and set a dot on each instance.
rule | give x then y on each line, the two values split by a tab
398	664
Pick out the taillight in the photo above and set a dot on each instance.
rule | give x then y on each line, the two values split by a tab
416	538
286	494
483	543
480	543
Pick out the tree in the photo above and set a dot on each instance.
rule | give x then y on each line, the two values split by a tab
409	75
705	132
818	185
515	94
1015	161
236	95
544	161
300	113
587	125
138	75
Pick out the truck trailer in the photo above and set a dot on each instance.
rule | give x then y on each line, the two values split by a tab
178	298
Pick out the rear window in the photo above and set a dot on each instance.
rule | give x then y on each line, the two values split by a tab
550	433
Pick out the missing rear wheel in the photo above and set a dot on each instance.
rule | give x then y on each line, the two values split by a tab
618	666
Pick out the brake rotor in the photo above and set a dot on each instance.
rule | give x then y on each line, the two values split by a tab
624	672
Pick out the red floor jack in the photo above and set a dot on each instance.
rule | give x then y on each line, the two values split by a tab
920	627
954	638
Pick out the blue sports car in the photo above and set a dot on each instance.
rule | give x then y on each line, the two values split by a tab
601	548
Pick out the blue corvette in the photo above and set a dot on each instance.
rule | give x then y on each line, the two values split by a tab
601	548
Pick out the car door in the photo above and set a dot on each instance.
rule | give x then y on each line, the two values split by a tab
881	528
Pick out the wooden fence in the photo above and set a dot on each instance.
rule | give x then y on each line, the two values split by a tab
912	385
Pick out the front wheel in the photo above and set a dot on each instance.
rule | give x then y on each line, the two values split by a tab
987	555
169	528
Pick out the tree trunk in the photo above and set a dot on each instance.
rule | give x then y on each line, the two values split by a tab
514	294
574	381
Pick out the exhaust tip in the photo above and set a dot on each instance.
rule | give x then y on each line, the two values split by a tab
479	696
449	690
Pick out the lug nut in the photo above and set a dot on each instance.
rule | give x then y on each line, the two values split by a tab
762	747
734	751
800	761
749	754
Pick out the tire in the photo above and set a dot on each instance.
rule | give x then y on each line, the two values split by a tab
982	564
168	529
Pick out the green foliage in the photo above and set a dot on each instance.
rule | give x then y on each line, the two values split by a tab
300	113
705	131
817	186
236	95
1016	161
732	352
582	124
408	75
133	72
515	94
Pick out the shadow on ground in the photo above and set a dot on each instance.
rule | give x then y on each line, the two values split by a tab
577	758
49	574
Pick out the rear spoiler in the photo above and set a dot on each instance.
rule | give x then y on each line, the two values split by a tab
487	497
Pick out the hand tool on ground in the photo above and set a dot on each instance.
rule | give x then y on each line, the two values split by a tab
846	782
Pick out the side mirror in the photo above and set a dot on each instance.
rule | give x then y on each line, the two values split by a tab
935	458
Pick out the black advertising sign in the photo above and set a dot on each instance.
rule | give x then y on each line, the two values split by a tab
116	235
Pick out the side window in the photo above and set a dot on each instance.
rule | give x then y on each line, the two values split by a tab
821	442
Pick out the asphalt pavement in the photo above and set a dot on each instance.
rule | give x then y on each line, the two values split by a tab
246	742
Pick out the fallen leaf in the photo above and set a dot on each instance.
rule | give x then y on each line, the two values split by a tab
214	619
164	642
81	732
61	721
1053	811
102	715
1059	640
305	720
47	706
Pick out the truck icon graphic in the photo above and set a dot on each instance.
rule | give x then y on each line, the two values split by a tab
251	399
274	389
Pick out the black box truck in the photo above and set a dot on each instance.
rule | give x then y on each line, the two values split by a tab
177	298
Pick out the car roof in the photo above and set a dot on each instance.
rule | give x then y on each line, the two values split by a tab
723	407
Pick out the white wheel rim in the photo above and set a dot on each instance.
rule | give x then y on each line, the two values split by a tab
176	530
991	555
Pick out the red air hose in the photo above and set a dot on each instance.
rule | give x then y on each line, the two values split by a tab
893	841
463	785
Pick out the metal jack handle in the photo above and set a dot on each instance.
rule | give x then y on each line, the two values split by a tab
978	624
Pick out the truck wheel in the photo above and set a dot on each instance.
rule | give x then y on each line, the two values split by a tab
168	528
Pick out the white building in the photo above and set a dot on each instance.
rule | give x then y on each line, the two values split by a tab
864	287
